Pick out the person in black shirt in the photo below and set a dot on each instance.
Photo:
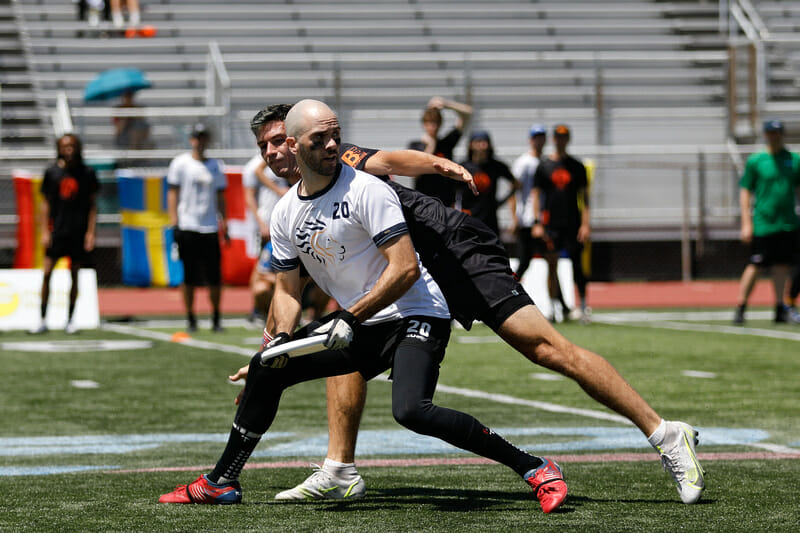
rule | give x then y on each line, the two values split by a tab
68	217
560	180
471	267
437	185
487	173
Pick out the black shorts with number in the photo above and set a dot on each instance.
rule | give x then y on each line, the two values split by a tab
779	248
373	347
201	257
475	276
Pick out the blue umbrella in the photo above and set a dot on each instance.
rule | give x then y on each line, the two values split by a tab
115	82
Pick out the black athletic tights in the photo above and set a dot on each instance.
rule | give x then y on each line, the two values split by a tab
415	373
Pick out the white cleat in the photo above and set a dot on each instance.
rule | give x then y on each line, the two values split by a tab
680	460
323	486
41	328
71	328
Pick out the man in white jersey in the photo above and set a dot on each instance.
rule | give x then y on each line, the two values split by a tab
523	169
196	207
262	190
348	230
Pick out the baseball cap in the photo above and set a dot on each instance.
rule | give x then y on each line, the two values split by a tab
537	129
773	125
200	130
482	135
561	129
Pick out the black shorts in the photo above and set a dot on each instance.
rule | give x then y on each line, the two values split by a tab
71	247
563	241
476	277
201	257
775	249
373	347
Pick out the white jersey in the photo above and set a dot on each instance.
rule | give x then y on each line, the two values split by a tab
266	198
524	168
199	182
336	234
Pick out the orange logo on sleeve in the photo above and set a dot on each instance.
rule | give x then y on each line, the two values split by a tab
353	156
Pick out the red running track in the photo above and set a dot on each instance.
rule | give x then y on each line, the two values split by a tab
135	302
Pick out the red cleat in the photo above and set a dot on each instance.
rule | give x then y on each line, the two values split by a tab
201	490
548	485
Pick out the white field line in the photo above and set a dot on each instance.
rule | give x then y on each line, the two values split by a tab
500	398
166	337
669	320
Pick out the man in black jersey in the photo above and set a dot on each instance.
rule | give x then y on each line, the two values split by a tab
559	185
68	217
470	265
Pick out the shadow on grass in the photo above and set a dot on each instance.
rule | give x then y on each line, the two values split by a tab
444	500
463	500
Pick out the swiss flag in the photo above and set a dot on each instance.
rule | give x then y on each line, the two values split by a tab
240	255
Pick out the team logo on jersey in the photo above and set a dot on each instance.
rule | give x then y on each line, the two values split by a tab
561	178
68	188
353	156
312	238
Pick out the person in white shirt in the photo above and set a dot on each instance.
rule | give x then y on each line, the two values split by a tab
523	169
196	208
348	230
262	190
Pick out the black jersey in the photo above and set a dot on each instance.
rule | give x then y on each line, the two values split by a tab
69	193
464	257
484	206
429	221
560	182
437	185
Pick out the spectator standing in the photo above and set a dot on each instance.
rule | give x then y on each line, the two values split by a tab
769	222
90	11
487	173
196	207
262	190
437	185
524	169
68	219
559	181
134	18
130	133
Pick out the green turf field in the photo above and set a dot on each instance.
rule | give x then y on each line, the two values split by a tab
92	433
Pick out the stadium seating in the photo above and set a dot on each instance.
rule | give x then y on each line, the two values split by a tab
369	57
619	72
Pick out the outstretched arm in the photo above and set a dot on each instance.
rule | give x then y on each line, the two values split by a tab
415	163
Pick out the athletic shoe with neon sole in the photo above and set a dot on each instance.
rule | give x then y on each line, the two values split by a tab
548	485
201	490
323	486
680	460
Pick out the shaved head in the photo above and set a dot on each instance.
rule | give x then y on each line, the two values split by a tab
305	114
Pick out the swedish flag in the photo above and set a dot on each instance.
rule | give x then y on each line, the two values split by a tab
149	254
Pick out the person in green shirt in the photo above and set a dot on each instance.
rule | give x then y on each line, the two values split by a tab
769	222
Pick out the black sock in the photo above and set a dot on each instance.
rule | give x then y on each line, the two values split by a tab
496	447
241	444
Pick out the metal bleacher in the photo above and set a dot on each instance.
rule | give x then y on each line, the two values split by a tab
380	61
622	73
